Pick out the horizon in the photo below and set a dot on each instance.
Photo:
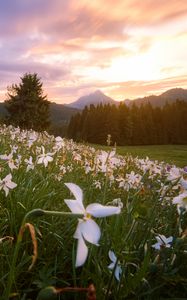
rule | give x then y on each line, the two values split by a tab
127	51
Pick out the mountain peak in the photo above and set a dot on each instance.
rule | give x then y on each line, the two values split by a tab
98	92
175	93
94	98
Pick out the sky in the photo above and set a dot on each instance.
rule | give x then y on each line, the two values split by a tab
125	48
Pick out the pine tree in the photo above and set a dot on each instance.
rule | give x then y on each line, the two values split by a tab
26	105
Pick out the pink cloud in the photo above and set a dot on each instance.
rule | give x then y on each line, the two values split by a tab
86	34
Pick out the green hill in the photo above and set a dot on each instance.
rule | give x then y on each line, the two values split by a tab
60	114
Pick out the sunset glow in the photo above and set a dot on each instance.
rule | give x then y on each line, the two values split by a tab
126	48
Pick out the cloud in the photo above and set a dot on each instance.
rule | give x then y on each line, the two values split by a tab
77	46
136	89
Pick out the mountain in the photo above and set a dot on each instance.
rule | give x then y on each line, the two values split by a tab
61	113
95	98
98	97
169	96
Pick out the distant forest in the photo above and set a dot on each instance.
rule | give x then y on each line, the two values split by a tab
131	125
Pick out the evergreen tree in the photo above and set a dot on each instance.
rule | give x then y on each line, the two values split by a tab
26	105
125	124
133	125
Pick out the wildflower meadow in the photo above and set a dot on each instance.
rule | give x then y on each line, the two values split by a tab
73	217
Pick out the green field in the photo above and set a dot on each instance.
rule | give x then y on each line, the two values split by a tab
76	220
172	154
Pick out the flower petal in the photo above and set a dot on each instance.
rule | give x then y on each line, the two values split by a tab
76	191
82	252
112	256
111	266
162	239
76	207
118	272
11	184
99	211
169	240
156	246
90	231
78	234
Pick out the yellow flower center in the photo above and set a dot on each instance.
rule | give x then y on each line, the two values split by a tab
87	216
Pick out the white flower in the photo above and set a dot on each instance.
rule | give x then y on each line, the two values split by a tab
59	143
7	184
183	183
30	165
115	264
32	138
181	201
87	229
10	160
97	184
44	158
133	179
174	174
107	159
162	241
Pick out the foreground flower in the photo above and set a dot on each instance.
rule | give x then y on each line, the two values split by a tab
162	242
7	184
115	264
87	229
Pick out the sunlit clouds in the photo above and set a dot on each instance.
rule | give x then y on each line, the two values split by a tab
125	48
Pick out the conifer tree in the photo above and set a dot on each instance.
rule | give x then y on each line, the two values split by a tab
28	108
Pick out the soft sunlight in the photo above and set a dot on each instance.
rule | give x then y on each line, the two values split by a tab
132	49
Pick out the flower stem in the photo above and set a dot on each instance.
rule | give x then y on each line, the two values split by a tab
33	213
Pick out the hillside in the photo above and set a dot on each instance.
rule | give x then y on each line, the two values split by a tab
169	96
60	114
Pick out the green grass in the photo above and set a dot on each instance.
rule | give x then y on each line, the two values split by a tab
144	193
172	154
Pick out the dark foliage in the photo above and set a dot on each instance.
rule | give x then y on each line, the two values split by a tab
131	125
26	105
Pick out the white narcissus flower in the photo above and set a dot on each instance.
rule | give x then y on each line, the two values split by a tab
162	242
59	143
183	183
30	165
174	174
87	229
45	158
7	184
10	160
115	264
181	201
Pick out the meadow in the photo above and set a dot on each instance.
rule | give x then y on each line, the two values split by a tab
172	154
74	218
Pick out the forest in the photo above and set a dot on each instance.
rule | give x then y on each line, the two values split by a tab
131	125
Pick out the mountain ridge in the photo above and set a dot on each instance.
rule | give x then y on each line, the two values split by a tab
62	113
170	96
156	100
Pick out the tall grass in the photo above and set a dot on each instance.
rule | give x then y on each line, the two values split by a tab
144	188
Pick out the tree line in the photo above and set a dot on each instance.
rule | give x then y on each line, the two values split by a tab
131	125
